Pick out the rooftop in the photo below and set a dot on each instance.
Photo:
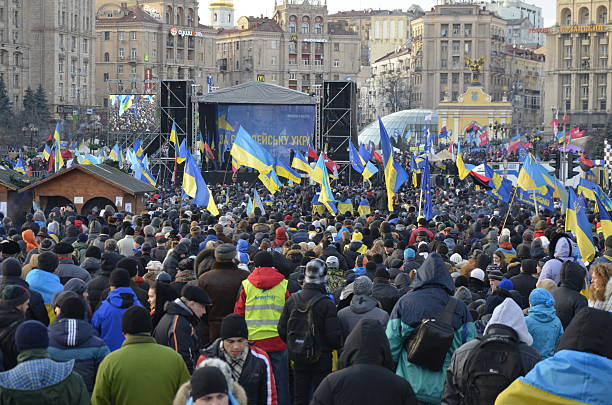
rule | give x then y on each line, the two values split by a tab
129	14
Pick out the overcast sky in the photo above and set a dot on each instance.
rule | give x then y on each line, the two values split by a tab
266	7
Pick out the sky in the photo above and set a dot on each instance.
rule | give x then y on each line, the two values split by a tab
266	7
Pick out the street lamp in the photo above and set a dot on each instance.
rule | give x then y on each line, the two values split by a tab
31	129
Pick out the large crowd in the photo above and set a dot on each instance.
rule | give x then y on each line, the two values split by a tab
483	304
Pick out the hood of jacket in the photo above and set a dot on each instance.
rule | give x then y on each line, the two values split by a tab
242	246
366	344
360	304
178	307
589	332
572	276
70	332
543	313
433	273
265	277
91	264
508	313
122	297
564	247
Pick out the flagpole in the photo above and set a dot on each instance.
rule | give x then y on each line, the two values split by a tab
509	207
420	199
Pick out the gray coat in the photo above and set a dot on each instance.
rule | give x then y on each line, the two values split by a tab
362	307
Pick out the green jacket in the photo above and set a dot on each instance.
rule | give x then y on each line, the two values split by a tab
140	372
39	380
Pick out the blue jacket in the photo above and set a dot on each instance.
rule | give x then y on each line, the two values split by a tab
545	328
45	283
243	251
76	339
107	318
432	288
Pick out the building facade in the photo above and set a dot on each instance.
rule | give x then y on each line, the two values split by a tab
578	65
298	48
14	50
139	46
222	14
520	10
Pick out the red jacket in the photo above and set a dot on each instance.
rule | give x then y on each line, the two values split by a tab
414	234
264	278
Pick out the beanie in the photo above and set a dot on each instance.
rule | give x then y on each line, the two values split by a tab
196	294
477	274
263	259
77	285
46	245
59	297
409	253
14	295
93	251
48	261
225	252
11	267
382	273
63	248
506	285
233	326
315	272
82	238
540	296
130	264
119	278
529	266
207	380
362	286
31	335
73	308
135	320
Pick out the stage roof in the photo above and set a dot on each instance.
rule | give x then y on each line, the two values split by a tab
257	93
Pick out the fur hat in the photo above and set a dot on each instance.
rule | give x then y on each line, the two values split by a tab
315	272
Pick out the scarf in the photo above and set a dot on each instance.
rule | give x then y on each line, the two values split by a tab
235	364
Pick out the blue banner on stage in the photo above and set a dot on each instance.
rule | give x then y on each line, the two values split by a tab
278	128
545	201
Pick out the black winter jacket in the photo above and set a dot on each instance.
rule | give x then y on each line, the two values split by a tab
177	329
365	372
524	283
568	300
385	293
36	310
10	318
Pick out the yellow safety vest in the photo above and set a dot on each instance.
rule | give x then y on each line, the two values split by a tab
263	309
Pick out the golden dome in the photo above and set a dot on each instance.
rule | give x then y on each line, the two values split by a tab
222	4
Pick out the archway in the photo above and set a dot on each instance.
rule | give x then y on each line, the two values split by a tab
57	201
97	202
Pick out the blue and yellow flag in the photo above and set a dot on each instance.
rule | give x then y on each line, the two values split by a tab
577	222
271	181
300	163
345	206
247	152
19	166
258	202
58	159
283	170
395	175
182	152
116	154
605	221
321	176
530	176
195	186
47	151
138	151
463	169
369	170
364	153
356	160
364	207
501	188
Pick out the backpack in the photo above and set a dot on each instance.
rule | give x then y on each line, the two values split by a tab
302	338
491	368
431	340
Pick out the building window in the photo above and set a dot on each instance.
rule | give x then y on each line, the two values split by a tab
318	28
567	51
292	47
133	54
273	61
105	78
456	64
444	48
60	67
306	61
456	47
305	28
456	30
292	76
119	69
585	92
467	48
292	28
121	53
85	46
274	44
133	35
336	63
444	63
444	30
585	105
121	35
467	30
237	45
336	47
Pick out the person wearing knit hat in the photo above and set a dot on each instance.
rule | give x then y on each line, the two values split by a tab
9	248
134	267
14	300
107	318
138	363
209	386
66	268
249	365
225	252
44	281
526	280
71	337
543	323
362	306
327	325
61	385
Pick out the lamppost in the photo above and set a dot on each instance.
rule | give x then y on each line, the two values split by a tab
30	129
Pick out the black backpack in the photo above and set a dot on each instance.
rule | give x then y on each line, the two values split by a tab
430	341
493	365
302	338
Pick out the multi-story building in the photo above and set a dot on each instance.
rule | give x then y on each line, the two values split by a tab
62	53
519	10
221	13
441	40
138	46
578	65
298	48
380	31
14	50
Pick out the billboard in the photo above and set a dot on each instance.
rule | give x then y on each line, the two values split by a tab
133	113
279	128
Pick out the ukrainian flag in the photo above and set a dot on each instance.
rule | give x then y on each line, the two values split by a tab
369	171
560	135
250	208
59	160
201	144
576	221
501	187
530	177
116	154
283	170
299	162
182	152
173	138
464	170
19	166
271	181
47	151
587	189
426	187
138	151
196	188
317	207
395	175
345	206
321	176
364	207
249	153
605	221
258	202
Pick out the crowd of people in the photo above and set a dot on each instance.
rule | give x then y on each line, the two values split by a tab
483	304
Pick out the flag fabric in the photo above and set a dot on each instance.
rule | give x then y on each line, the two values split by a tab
331	165
173	138
271	181
138	151
356	160
299	162
369	171
484	138
182	152
58	159
514	144
247	152
208	150
258	202
585	163
565	118
312	153
250	207
364	153
364	207
283	170
534	197
426	188
195	186
576	221
501	188
116	155
19	166
605	220
464	170
395	175
320	175
377	157
443	133
200	143
47	151
345	206
530	177
560	136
